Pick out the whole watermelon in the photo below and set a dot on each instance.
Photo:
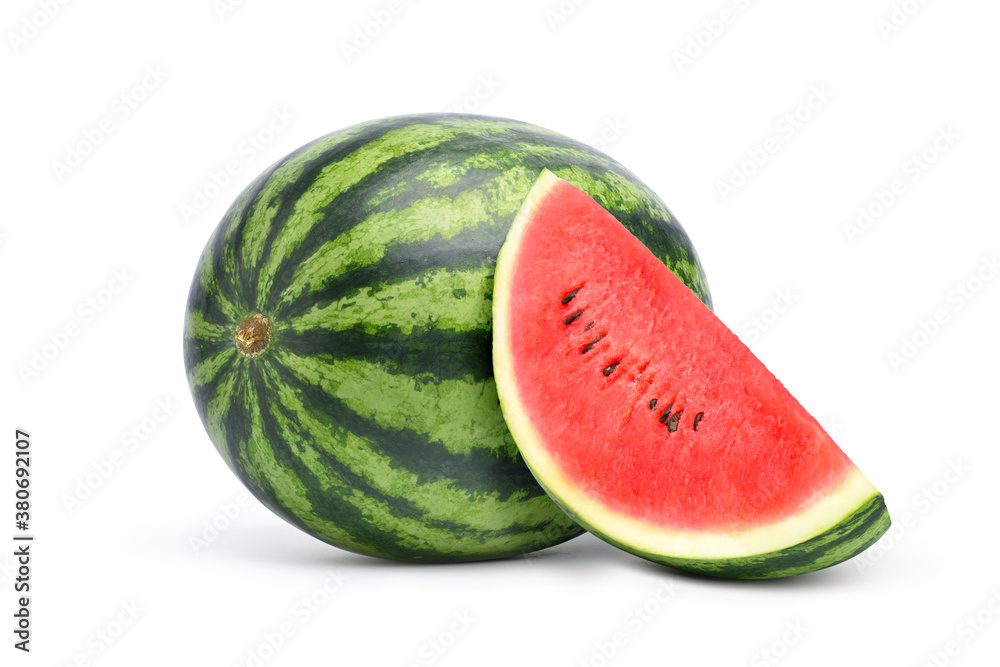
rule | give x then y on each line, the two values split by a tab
337	336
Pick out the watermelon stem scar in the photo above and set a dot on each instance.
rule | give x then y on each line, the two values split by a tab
254	335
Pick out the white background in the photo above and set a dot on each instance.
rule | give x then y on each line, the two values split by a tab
602	71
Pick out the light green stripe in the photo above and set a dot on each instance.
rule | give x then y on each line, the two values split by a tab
439	499
257	461
215	414
207	370
197	327
442	299
367	242
268	201
354	453
211	283
461	416
252	233
441	172
337	177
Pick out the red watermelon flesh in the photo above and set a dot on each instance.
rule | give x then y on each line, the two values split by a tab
640	411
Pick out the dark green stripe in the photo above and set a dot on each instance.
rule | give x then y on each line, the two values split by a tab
480	471
292	191
200	349
204	394
223	253
199	298
331	506
473	246
243	277
236	419
353	206
327	506
425	354
469	249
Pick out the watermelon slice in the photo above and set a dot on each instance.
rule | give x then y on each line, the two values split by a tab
648	420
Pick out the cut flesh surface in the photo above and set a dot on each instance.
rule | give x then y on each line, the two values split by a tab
647	419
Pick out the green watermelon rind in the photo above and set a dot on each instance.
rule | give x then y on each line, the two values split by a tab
849	537
329	427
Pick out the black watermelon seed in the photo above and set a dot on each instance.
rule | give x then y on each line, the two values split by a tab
652	404
610	368
589	327
674	421
697	418
590	345
572	318
569	297
665	415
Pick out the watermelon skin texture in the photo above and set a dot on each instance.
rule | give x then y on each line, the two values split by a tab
372	421
847	539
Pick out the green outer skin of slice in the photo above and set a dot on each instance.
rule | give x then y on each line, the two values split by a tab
372	421
852	535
